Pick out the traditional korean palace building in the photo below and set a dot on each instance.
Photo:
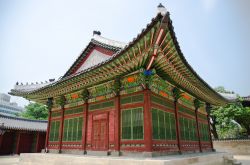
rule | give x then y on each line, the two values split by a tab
120	98
18	135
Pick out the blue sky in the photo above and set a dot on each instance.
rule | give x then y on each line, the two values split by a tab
41	39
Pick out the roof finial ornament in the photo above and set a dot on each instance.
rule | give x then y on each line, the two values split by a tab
95	32
161	9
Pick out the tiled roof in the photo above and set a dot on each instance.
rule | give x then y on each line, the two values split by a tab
98	41
7	122
247	98
30	87
170	64
229	96
119	51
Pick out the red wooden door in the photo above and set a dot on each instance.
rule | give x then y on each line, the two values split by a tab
100	134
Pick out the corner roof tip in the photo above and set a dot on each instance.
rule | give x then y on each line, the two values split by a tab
161	9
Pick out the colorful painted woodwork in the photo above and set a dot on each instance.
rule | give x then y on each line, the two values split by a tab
144	98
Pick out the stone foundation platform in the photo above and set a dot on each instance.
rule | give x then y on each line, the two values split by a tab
213	158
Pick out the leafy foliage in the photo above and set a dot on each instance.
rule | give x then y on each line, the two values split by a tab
221	89
230	121
35	111
231	117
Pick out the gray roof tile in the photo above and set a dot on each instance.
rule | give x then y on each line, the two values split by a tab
7	122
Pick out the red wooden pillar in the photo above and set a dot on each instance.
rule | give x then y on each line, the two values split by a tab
208	110
147	121
48	132
117	122
37	142
49	104
18	142
61	130
85	126
197	128
209	132
1	140
177	126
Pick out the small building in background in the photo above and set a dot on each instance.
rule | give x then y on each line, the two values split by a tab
18	135
8	108
246	101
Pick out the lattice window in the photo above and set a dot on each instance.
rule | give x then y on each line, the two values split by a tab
74	111
185	110
202	116
132	99
132	124
163	125
173	126
101	105
187	129
163	102
72	130
55	114
204	132
54	131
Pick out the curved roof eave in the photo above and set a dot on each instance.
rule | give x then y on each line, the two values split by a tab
159	17
116	55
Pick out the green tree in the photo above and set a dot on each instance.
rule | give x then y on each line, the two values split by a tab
220	89
231	119
35	111
228	116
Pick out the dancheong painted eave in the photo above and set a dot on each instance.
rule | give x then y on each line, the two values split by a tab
156	47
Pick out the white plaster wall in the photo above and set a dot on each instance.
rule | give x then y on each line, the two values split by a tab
94	58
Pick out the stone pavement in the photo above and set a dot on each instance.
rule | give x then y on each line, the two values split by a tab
14	160
67	159
9	160
244	159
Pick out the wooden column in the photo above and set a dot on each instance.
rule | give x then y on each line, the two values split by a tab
85	127
177	94
49	104
117	117
177	126
147	121
18	142
85	96
61	129
1	140
37	141
208	110
197	128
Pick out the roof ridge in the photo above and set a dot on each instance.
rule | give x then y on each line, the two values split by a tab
23	119
109	42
